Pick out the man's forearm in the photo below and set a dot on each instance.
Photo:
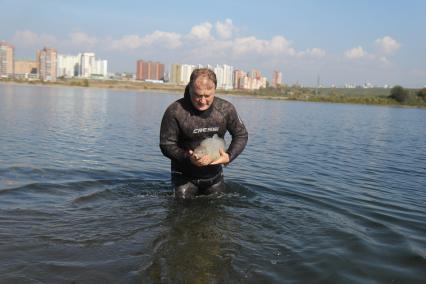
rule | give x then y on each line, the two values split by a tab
237	146
173	152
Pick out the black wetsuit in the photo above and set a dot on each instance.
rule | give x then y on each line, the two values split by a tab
183	128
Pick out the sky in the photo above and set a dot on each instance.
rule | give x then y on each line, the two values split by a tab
337	42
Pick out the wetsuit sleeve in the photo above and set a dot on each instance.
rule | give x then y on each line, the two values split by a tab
238	132
169	136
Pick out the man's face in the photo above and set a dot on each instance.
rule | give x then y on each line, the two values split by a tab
202	93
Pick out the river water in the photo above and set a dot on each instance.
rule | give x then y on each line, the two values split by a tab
323	193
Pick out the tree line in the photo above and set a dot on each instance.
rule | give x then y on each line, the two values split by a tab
402	95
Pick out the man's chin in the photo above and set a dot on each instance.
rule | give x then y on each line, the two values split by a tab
202	108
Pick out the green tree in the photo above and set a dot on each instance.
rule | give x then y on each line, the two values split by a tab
422	93
399	94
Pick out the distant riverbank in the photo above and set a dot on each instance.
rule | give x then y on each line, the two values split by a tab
370	96
104	84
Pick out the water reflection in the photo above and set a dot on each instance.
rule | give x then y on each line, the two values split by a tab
191	249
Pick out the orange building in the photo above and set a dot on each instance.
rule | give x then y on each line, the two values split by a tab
238	75
255	74
276	78
25	67
148	70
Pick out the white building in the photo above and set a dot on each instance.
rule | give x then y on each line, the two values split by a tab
181	73
82	65
86	64
224	75
186	73
100	68
68	65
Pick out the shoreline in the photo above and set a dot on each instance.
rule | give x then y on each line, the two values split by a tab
145	87
173	89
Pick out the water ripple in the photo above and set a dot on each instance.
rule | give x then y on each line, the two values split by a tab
322	193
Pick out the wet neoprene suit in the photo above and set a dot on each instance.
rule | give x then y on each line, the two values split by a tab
184	127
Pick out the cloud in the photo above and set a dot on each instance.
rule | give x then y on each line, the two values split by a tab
126	42
355	53
157	38
28	38
201	31
83	40
198	41
248	45
315	53
166	39
203	43
225	29
280	45
277	45
387	45
218	48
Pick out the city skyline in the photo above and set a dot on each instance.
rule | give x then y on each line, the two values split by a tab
342	43
49	65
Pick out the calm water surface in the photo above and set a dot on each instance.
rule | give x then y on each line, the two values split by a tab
323	193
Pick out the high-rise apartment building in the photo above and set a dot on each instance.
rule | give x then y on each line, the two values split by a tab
159	71
68	65
148	70
255	74
181	73
227	77
246	83
6	60
262	82
238	74
186	73
87	62
175	73
142	70
254	81
82	65
46	64
100	68
276	78
224	76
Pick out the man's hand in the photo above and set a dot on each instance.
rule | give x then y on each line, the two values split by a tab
223	159
205	160
200	162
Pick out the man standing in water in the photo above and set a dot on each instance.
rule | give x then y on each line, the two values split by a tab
188	121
